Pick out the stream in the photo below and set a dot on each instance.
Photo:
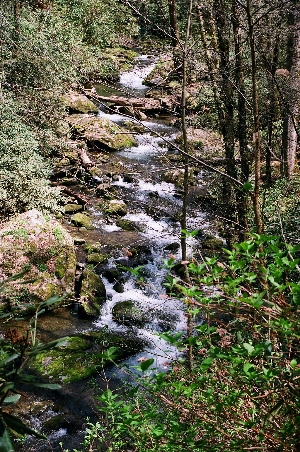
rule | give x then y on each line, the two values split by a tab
153	205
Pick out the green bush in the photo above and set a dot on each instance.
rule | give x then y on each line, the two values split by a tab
24	173
237	387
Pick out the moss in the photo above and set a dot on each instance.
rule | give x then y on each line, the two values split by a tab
80	356
212	243
116	207
68	363
92	294
97	258
129	313
82	220
127	225
73	208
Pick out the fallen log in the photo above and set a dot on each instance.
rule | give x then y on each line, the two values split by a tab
119	101
81	199
84	158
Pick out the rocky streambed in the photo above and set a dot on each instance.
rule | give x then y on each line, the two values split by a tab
122	186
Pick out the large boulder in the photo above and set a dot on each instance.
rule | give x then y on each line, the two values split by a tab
92	294
44	251
101	133
79	103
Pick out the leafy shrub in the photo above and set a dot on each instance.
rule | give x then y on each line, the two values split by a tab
24	173
238	388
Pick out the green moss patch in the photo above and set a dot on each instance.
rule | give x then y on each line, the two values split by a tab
81	356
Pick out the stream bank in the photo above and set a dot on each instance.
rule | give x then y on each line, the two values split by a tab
132	199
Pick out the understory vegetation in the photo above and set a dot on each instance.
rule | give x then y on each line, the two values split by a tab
236	386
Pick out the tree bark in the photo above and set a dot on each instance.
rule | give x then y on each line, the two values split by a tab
175	38
256	121
290	138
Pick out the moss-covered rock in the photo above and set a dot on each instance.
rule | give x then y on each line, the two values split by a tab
97	258
73	208
82	221
130	313
79	103
42	249
127	225
116	207
80	357
92	294
68	362
212	243
101	133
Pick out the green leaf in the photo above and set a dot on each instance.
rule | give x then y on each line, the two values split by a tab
5	441
47	385
248	186
250	349
9	359
18	426
206	363
146	364
10	400
249	369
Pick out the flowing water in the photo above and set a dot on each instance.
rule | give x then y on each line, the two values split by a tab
153	205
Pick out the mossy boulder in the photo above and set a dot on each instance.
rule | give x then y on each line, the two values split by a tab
212	243
79	357
127	225
79	103
100	133
82	221
130	313
67	363
92	294
41	249
116	207
97	258
73	208
176	177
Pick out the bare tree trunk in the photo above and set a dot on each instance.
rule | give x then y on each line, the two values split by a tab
290	138
175	38
228	121
272	111
212	63
185	143
256	122
242	130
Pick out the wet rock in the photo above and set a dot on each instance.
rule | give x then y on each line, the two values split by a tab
42	249
116	207
122	261
102	190
81	220
73	208
111	274
92	294
119	287
128	178
101	133
97	258
172	247
55	423
212	243
127	225
130	313
79	103
79	357
176	177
